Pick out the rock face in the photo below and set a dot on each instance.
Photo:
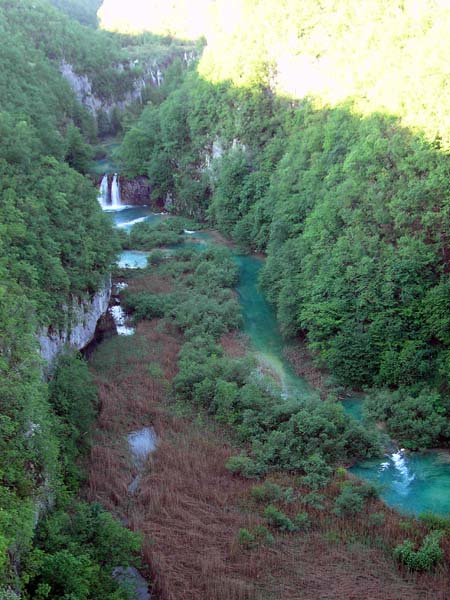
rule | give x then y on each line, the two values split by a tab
84	315
135	192
82	87
149	74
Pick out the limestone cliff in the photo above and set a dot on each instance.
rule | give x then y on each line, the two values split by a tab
83	315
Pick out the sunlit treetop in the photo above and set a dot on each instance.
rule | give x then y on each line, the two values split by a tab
384	55
181	18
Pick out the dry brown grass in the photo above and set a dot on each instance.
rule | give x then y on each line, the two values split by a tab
154	285
302	361
235	344
190	508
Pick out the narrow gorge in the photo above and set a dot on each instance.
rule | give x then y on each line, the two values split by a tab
224	300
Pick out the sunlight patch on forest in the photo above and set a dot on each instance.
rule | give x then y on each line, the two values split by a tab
183	19
389	57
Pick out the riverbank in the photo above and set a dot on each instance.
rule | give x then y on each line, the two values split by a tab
194	513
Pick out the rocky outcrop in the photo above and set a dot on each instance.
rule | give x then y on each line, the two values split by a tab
147	73
82	315
136	191
82	87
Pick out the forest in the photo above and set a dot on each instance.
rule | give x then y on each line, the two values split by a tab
56	245
314	134
345	189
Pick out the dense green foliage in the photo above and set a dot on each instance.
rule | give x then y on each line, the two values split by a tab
293	435
74	549
339	174
346	189
424	558
57	248
146	236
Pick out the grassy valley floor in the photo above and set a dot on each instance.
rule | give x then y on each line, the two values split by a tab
205	531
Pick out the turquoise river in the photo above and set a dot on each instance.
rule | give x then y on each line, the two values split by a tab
411	483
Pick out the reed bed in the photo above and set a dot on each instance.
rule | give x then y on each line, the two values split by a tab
190	508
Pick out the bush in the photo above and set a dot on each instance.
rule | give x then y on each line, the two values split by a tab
433	521
267	492
250	539
263	535
376	519
317	472
416	418
242	465
144	305
302	521
156	257
314	500
73	398
278	519
246	539
423	559
145	236
349	502
76	553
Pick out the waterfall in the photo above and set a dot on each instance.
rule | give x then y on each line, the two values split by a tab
103	192
404	477
115	192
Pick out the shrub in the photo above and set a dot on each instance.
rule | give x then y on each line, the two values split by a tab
156	257
376	519
423	559
278	519
314	500
246	539
341	473
267	492
289	496
317	472
250	539
367	490
243	465
78	550
264	535
301	521
8	594
349	502
435	521
144	305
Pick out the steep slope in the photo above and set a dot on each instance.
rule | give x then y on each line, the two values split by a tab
56	248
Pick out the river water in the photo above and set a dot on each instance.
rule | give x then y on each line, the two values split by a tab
411	483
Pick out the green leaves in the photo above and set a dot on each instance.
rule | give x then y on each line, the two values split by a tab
424	558
416	417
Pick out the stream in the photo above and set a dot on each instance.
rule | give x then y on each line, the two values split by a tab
411	483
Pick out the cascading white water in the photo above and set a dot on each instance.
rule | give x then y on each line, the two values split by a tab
404	476
103	192
115	192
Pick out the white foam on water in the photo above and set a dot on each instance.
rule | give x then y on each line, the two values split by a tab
111	208
120	319
103	192
404	476
131	223
116	200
